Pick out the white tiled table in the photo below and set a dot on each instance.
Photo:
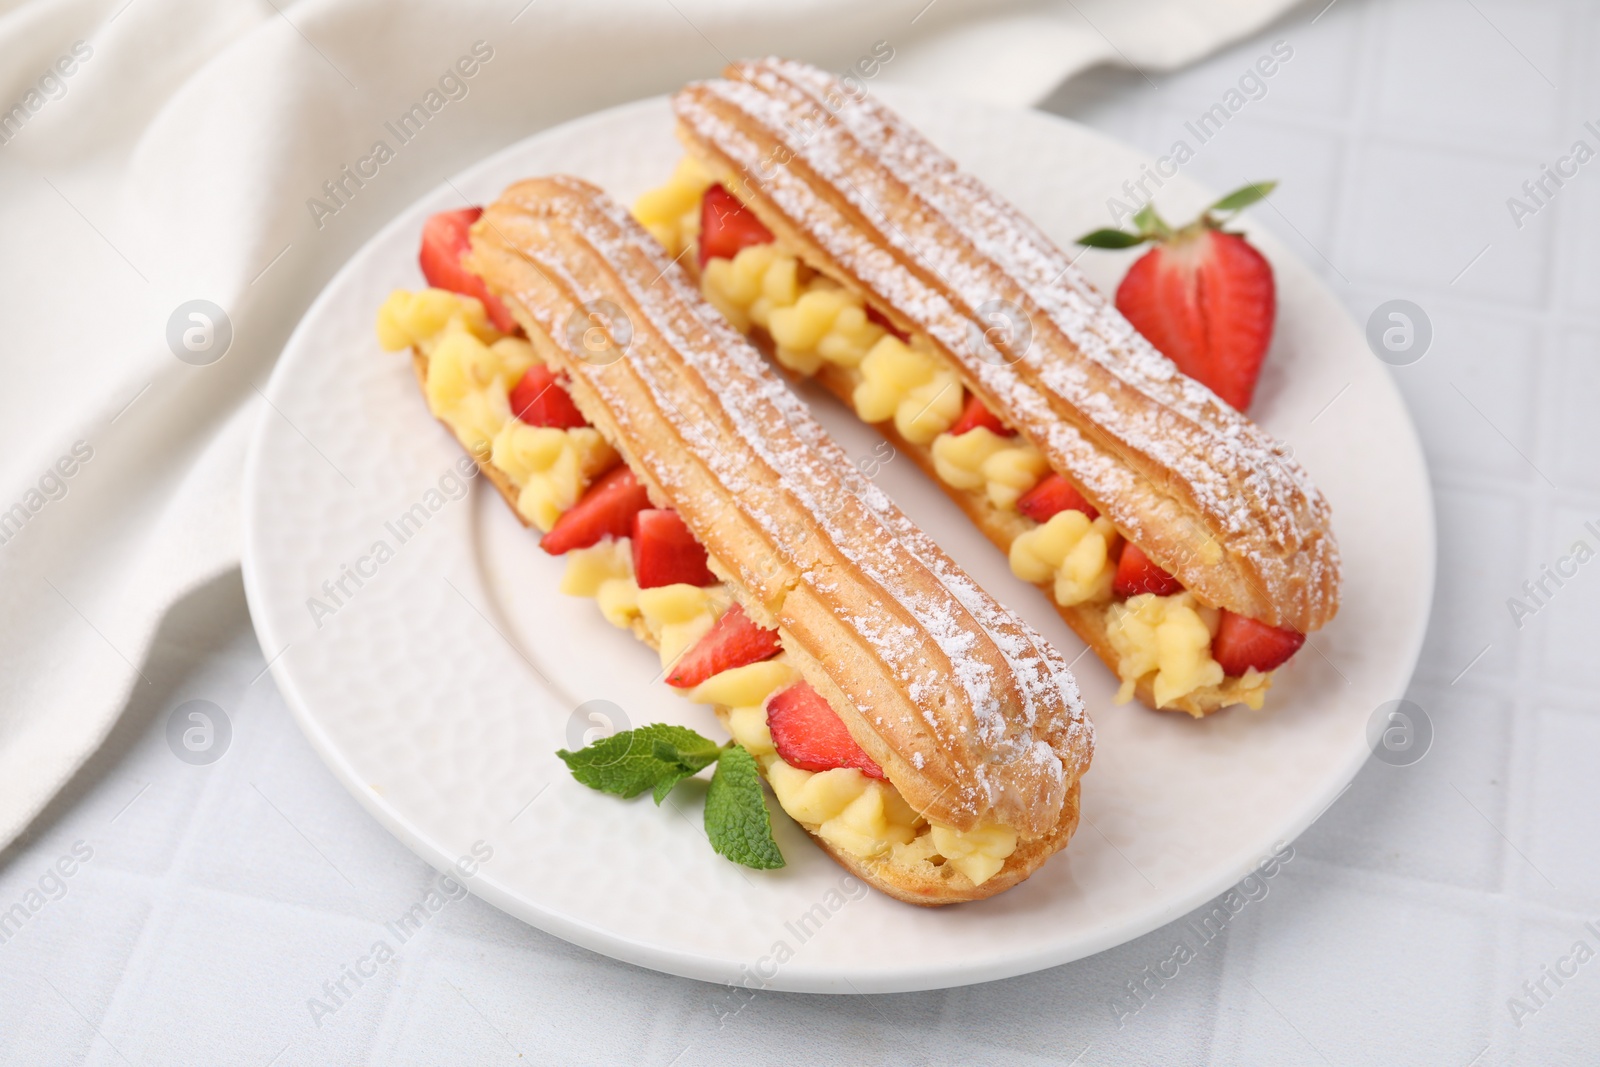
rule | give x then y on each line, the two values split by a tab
219	899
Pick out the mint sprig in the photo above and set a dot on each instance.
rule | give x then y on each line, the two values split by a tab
683	759
655	758
736	813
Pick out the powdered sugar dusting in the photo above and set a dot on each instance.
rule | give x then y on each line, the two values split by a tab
897	217
998	708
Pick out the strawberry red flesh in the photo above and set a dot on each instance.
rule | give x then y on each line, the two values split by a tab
538	399
735	641
1051	497
1243	642
665	552
874	315
809	734
726	226
1206	300
974	415
1136	574
606	510
444	242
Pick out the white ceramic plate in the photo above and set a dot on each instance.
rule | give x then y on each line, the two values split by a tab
439	689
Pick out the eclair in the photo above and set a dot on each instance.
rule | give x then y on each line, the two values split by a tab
1177	538
926	737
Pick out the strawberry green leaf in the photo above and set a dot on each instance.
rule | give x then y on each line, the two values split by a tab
736	812
654	757
1111	239
1151	225
1240	199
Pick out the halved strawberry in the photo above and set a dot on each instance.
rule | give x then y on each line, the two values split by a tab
726	226
665	552
808	733
539	400
1136	574
1204	297
975	414
444	242
1243	642
606	510
1207	303
1050	497
734	641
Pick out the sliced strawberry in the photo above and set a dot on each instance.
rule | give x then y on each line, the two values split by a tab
1158	297
726	226
1203	296
539	400
874	315
1136	574
1050	497
734	641
444	242
665	552
1243	642
975	415
1207	302
808	733
606	510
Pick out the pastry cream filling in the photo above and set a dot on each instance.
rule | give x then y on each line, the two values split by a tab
671	212
471	370
863	816
678	616
1072	552
1171	637
605	572
912	386
1003	467
551	467
814	322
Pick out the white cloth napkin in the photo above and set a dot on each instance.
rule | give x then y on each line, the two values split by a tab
157	152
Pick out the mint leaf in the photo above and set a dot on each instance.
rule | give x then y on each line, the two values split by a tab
683	746
1240	199
655	757
736	812
689	759
1111	239
666	784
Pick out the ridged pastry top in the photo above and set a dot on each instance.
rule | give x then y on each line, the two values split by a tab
860	195
974	717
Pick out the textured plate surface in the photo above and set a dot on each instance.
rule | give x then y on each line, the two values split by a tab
444	669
